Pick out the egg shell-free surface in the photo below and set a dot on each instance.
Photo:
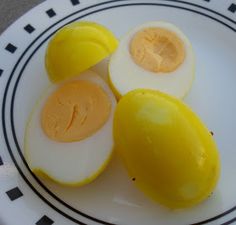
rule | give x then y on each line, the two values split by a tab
126	75
73	163
166	148
76	48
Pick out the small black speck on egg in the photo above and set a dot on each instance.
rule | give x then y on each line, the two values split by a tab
210	194
134	179
212	133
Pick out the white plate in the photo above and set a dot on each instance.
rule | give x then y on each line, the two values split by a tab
112	198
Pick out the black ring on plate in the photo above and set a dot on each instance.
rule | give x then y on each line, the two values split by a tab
21	72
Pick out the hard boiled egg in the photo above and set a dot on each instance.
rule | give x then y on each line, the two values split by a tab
69	134
168	151
76	48
155	55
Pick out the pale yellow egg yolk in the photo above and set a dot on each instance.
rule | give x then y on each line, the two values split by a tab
157	50
75	111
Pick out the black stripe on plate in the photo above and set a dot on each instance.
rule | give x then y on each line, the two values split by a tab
29	28
11	48
232	8
45	221
51	13
75	2
1	71
14	193
230	221
1	162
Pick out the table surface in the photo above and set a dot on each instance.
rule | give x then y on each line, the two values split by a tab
10	10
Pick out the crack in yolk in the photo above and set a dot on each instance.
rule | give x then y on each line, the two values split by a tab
73	116
157	50
75	111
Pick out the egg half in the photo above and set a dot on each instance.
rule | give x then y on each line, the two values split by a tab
155	55
71	143
76	48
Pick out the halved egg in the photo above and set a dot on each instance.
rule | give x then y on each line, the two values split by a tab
69	134
155	55
76	48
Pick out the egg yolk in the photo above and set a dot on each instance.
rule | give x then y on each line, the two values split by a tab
157	50
75	111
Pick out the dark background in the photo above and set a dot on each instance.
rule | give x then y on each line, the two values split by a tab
10	10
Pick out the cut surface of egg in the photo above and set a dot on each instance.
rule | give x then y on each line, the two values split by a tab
155	55
69	134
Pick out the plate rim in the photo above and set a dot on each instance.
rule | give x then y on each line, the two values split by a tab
18	78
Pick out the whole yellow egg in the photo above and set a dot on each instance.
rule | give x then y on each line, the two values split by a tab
168	151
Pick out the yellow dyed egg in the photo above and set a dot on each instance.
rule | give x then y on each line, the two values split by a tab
168	151
77	47
155	55
68	137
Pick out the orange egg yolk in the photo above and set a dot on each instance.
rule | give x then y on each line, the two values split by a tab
75	111
157	50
